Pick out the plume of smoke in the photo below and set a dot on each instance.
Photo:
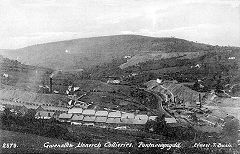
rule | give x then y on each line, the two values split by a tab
54	73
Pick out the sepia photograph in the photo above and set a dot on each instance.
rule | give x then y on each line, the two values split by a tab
120	76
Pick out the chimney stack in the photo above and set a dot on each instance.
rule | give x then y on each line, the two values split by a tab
199	97
50	85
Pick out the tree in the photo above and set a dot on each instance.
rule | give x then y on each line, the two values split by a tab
7	112
150	124
219	87
30	115
196	85
161	124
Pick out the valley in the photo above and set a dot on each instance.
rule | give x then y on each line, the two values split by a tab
142	88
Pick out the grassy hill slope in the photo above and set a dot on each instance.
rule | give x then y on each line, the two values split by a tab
85	52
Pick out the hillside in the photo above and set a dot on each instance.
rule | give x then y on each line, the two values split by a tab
85	52
14	73
136	59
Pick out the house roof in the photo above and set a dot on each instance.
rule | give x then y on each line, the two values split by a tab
77	117
127	121
141	116
75	110
4	103
101	119
110	120
101	113
65	116
170	120
44	114
31	106
114	114
139	121
128	115
89	118
113	120
212	119
54	108
88	112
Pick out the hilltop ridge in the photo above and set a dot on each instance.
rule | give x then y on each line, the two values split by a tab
88	52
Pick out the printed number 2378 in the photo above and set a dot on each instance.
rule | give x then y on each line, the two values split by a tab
9	145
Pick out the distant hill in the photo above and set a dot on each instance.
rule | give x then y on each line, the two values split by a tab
87	52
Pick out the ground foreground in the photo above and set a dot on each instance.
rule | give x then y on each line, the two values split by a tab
15	142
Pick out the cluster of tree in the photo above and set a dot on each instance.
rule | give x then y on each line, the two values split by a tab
159	126
48	128
147	99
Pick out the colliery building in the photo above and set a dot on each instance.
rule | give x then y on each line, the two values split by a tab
54	106
80	115
175	92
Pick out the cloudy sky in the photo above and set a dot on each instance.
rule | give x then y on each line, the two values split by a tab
28	22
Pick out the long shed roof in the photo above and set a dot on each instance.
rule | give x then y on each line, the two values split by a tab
89	118
77	117
170	120
75	110
114	114
65	116
127	121
44	114
101	113
101	119
88	112
139	122
141	116
128	115
113	120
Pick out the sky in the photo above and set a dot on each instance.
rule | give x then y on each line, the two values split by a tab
29	22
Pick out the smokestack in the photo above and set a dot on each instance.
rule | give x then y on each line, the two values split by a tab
199	97
50	85
51	76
